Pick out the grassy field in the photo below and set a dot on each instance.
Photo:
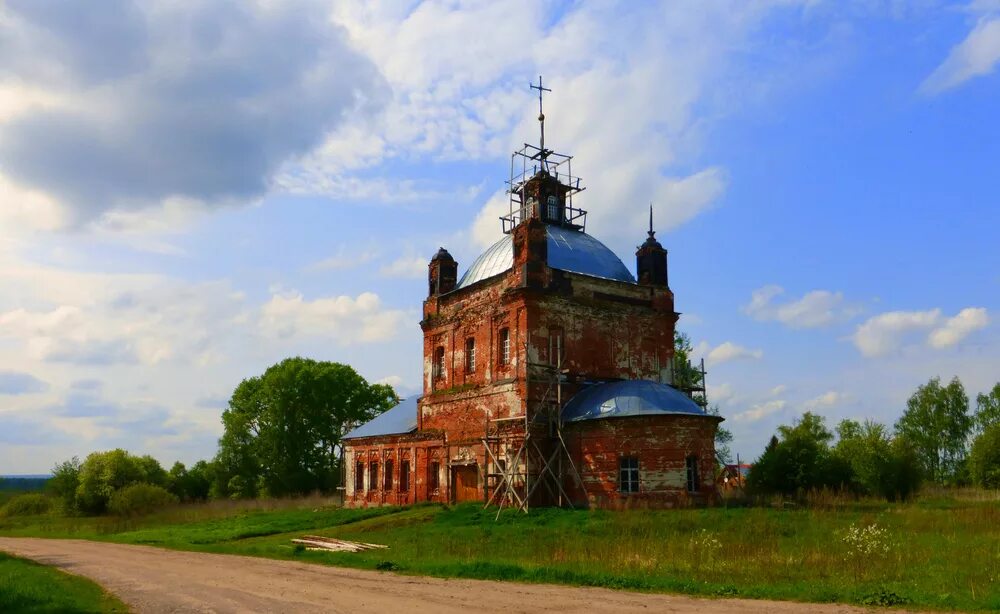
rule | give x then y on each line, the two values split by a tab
29	587
938	553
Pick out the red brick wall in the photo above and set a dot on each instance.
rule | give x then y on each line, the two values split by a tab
661	443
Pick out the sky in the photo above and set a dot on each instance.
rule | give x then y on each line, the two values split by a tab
191	192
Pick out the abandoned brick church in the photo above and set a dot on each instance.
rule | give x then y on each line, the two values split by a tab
546	369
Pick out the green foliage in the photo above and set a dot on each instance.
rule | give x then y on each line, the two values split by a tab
880	465
800	461
686	375
104	473
28	504
29	587
139	499
984	459
283	429
64	482
988	408
190	484
937	425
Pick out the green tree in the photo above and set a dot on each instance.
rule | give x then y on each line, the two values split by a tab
686	376
799	460
984	459
283	429
987	408
880	465
104	473
936	424
64	482
190	484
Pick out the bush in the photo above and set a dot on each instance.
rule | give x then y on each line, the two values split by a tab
984	460
104	473
31	504
139	499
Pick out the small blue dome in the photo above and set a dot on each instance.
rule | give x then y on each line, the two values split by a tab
628	398
568	250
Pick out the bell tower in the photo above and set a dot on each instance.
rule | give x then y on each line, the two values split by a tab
651	259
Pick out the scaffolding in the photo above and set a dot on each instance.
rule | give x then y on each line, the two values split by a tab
527	452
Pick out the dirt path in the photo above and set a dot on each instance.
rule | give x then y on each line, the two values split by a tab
157	580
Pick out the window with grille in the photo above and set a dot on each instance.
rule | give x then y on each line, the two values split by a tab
373	476
470	355
438	366
433	475
359	477
628	474
388	475
693	483
505	346
553	206
404	476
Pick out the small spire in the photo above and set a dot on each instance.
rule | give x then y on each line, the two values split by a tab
541	116
652	233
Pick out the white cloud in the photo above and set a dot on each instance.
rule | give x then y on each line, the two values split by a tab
345	258
725	352
827	399
888	332
393	380
778	390
760	410
815	309
977	55
959	327
409	267
347	320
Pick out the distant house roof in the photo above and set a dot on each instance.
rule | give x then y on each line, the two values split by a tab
568	250
399	420
628	398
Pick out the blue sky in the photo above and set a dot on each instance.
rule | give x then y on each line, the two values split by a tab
188	195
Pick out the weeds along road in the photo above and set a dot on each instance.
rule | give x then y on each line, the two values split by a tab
156	580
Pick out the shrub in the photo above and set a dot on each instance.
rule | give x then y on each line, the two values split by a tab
104	473
139	499
984	460
31	504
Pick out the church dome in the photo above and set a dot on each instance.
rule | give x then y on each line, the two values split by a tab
568	250
628	398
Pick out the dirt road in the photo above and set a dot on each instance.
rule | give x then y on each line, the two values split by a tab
156	580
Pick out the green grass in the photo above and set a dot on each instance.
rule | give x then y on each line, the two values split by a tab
944	552
31	588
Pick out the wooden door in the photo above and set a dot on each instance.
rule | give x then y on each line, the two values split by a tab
467	483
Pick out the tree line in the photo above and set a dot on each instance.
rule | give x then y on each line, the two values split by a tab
937	439
282	437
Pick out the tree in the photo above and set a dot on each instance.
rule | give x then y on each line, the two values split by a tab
686	376
987	409
283	429
190	485
880	465
104	473
64	482
984	459
799	461
936	424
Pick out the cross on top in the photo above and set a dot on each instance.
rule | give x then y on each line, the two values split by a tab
541	116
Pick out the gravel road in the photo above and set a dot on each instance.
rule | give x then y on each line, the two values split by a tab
156	580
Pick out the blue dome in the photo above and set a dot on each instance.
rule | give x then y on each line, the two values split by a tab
568	250
628	398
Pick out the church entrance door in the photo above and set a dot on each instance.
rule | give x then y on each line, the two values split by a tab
466	481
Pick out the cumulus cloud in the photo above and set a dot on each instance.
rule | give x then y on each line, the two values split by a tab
959	327
726	352
815	309
345	319
888	332
827	399
199	101
977	55
760	410
15	382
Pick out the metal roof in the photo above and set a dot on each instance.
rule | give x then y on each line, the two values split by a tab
578	252
495	260
399	420
628	398
568	250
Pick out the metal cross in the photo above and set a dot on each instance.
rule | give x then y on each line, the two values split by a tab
541	116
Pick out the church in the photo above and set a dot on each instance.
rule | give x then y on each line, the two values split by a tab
546	372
